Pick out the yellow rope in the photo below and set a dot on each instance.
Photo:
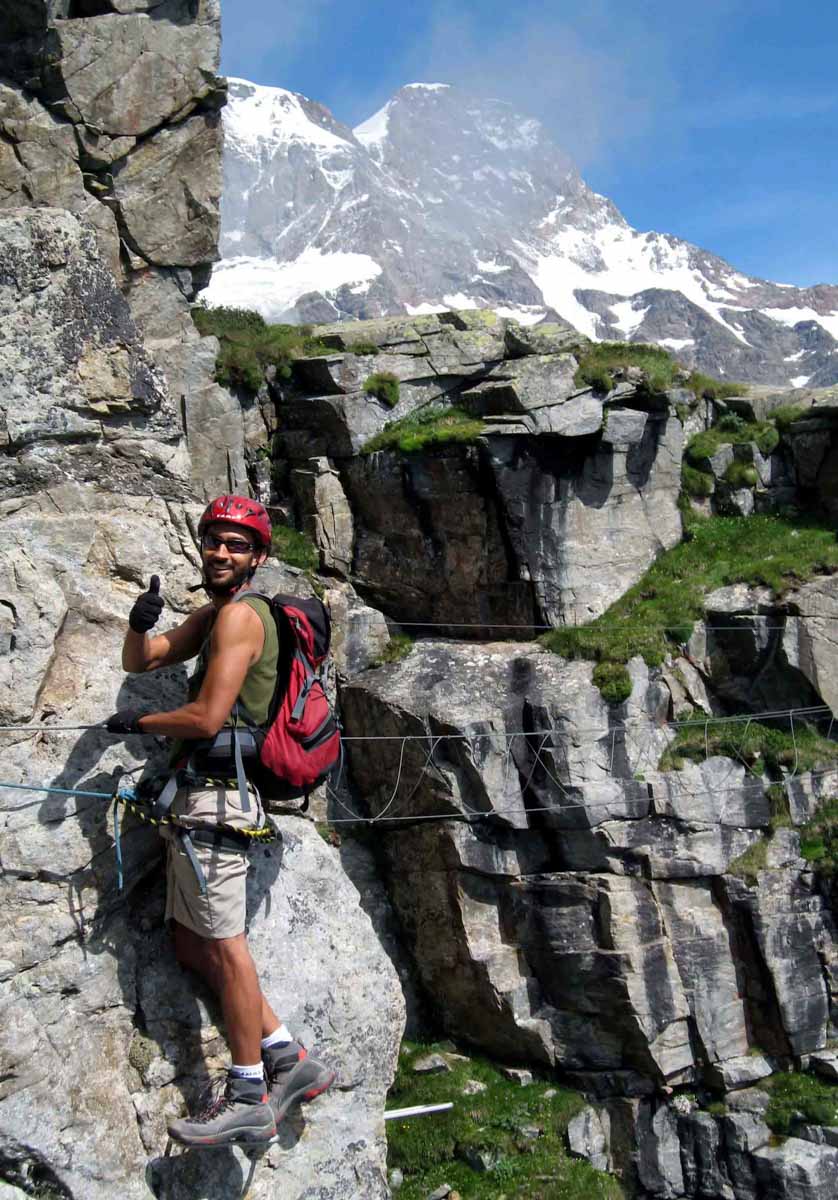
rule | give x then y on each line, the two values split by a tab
264	833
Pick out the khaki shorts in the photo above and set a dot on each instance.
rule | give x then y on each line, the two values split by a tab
220	913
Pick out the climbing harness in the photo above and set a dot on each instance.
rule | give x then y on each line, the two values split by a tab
141	804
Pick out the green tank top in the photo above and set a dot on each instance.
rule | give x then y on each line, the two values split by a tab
259	683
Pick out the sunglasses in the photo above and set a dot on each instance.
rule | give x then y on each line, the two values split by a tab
233	545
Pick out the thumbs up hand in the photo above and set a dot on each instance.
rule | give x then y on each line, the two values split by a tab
147	608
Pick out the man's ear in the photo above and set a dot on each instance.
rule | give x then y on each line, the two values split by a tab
261	558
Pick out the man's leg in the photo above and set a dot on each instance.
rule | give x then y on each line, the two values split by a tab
242	1002
191	953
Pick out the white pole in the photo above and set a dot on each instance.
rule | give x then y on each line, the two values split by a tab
420	1110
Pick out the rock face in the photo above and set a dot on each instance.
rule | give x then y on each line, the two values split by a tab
582	909
569	912
81	397
103	1036
112	430
113	115
499	531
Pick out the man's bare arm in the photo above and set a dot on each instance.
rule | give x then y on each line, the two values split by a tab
142	652
237	640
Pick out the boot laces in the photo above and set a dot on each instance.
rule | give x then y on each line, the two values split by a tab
214	1100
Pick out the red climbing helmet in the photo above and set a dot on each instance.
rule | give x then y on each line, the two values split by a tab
241	511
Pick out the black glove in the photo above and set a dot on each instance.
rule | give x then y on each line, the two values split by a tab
124	721
147	609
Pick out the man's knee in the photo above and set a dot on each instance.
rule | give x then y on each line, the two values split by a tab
229	954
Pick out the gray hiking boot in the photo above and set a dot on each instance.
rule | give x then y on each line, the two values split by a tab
293	1076
239	1113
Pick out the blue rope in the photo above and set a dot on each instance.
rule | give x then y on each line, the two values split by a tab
117	845
28	787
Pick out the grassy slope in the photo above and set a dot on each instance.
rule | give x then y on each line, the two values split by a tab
426	427
430	1150
658	613
598	362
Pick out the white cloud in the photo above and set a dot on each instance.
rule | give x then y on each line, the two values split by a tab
261	32
585	92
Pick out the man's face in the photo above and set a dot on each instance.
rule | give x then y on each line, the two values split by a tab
229	554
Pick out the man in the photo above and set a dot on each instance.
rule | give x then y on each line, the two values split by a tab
237	648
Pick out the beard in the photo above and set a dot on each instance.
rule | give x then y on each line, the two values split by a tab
222	583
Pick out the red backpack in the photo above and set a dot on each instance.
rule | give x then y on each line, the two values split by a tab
299	744
302	740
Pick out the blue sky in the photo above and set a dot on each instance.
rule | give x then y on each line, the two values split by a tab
718	123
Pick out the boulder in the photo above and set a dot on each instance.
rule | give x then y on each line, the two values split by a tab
89	978
821	1135
586	1138
623	426
697	929
81	397
168	193
740	1072
541	388
430	1064
330	426
149	65
394	335
324	514
547	338
794	932
659	1168
825	1064
810	637
360	634
39	168
559	499
212	417
115	997
750	653
432	510
465	352
701	1157
123	73
796	1169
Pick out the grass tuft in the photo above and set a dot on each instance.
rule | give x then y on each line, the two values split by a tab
384	385
248	345
819	840
294	548
785	416
795	1093
431	1151
398	647
705	387
659	612
747	866
741	475
426	427
698	484
763	749
362	348
613	681
599	361
705	444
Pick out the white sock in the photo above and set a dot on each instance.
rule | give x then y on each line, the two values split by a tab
280	1037
257	1071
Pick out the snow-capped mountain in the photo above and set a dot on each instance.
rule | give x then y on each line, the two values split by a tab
441	200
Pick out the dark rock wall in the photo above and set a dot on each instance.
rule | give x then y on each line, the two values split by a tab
569	902
111	111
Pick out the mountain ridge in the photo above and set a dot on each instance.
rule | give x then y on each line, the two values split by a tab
443	200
